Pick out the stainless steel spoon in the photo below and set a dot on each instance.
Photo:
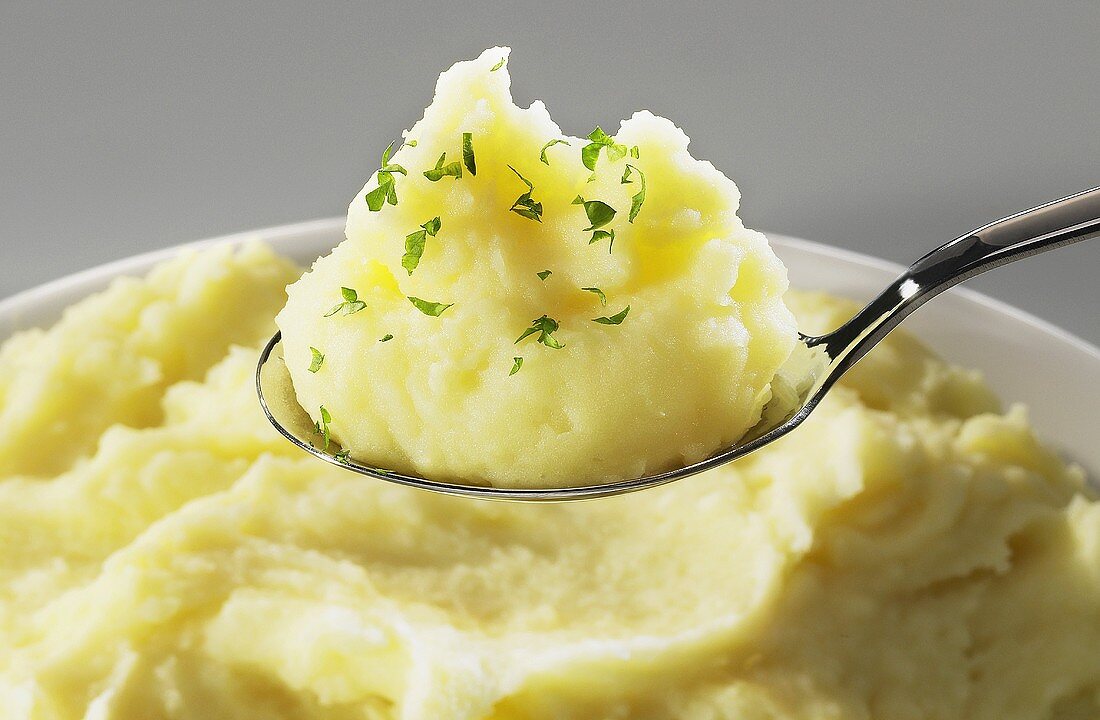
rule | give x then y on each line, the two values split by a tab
1061	222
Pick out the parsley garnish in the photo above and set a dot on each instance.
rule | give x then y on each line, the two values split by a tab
601	140
599	213
318	360
386	338
635	152
542	153
386	192
414	244
544	274
525	205
545	327
597	291
517	363
498	66
616	319
411	143
468	153
442	170
322	428
342	457
601	234
639	198
351	305
429	308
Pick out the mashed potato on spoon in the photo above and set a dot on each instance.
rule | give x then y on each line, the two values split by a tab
519	307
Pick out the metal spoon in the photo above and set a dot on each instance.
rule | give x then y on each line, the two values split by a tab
1061	222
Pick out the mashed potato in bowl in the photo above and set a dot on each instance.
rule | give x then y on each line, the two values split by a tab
911	552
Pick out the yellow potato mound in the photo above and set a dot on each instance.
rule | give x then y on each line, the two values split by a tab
685	372
909	553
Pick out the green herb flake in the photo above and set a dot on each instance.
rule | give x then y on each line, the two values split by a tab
411	143
432	226
414	244
599	213
600	235
577	200
468	153
635	152
544	274
547	146
600	140
318	360
616	319
525	205
351	305
386	192
638	198
517	363
386	338
597	291
322	427
498	66
429	308
342	457
545	327
443	169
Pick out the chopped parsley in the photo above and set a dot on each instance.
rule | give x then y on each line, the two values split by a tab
386	338
639	198
517	363
411	143
498	66
598	235
635	152
599	213
468	153
590	153
342	457
443	168
616	319
386	192
545	327
322	428
414	244
597	291
547	146
351	305
429	308
318	360
544	274
525	205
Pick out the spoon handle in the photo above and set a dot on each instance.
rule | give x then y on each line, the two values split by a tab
1052	225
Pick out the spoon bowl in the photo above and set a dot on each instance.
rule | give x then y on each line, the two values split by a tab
820	360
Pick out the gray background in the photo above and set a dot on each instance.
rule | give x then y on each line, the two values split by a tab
884	127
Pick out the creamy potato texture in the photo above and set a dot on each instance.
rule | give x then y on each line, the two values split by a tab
910	553
683	373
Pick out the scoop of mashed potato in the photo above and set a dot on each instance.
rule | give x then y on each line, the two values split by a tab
911	553
650	320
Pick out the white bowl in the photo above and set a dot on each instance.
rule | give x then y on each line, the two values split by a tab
1025	359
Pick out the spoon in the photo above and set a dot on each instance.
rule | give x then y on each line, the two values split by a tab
1055	224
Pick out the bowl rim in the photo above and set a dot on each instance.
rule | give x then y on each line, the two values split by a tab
97	274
